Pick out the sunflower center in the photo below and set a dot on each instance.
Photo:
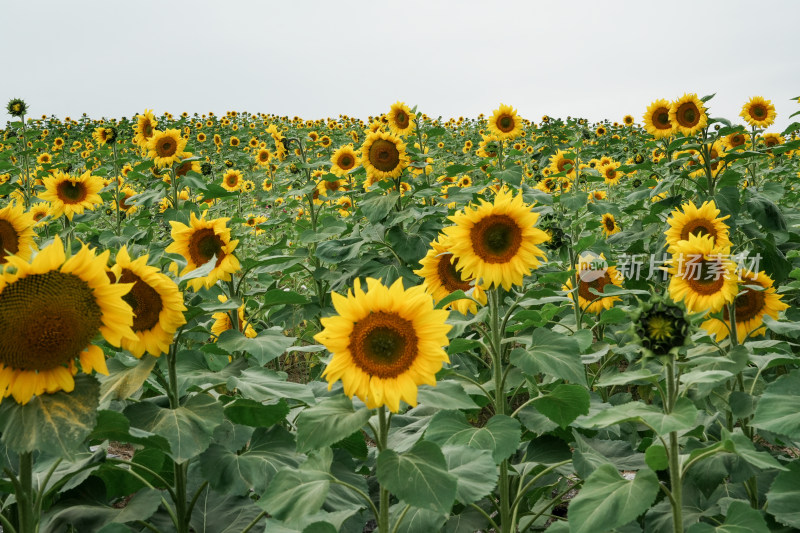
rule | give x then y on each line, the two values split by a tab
346	162
659	328
496	238
232	180
71	192
450	277
384	155
661	118
758	111
688	115
505	123
383	344
610	224
9	240
144	300
699	228
123	204
611	173
596	284
561	165
46	320
204	245
705	277
737	140
147	129
166	147
401	119
748	305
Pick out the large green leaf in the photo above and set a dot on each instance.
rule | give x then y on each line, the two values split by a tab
262	384
445	395
328	422
475	472
93	516
740	518
564	404
270	451
188	428
784	495
377	207
418	477
113	425
682	417
222	513
265	347
777	409
607	500
56	423
500	435
252	413
294	494
552	354
416	520
123	380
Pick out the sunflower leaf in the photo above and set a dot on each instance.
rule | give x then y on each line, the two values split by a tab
268	345
777	408
328	422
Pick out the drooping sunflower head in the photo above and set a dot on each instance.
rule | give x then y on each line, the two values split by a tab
657	120
691	220
16	233
69	195
166	147
51	311
400	119
383	156
343	160
505	123
758	112
441	278
703	277
688	114
609	225
495	243
662	328
385	343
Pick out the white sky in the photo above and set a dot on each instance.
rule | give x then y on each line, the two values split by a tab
317	59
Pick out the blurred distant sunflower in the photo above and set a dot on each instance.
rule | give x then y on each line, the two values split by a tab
16	233
343	160
401	119
609	224
39	211
199	242
610	174
232	180
383	155
442	278
735	140
688	114
166	147
69	195
488	146
156	302
758	112
628	120
657	119
772	139
559	162
505	123
51	311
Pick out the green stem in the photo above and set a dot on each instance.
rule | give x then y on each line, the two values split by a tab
499	401
28	523
383	508
180	500
400	519
27	191
255	521
676	486
117	189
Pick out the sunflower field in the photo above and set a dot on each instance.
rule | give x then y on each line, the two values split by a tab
250	322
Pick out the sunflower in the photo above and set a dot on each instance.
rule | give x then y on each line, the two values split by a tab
222	322
496	243
735	141
688	114
188	166
166	147
16	233
691	220
44	159
559	162
232	180
628	120
248	186
590	277
70	194
401	119
343	160
156	302
702	276
610	226
600	131
750	307
199	242
662	327
263	157
610	174
441	278
345	204
126	193
51	310
657	120
772	139
383	156
385	342
758	112
597	195
505	123
488	146
39	211
144	128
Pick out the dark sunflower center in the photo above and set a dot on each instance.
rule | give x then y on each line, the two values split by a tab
166	147
123	204
71	192
596	284
346	162
737	140
496	238
401	119
144	300
383	344
384	155
611	173
699	228
232	180
205	244
661	118
562	165
758	111
448	275
688	115
9	240
748	305
769	141
705	277
610	224
147	129
505	123
46	320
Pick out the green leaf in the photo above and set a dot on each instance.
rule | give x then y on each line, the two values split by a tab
112	425
123	381
607	500
418	477
293	494
682	417
777	409
641	375
740	518
564	404
784	494
56	423
377	207
475	472
188	428
92	517
553	354
445	395
416	520
454	297
656	457
281	297
255	414
500	435
269	451
265	347
328	422
263	384
222	513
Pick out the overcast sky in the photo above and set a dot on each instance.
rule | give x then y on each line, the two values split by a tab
317	59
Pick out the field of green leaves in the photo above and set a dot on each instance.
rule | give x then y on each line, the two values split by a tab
402	324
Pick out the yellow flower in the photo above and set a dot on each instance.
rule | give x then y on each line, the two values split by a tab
505	123
611	175
343	160
495	243
657	120
702	275
166	147
156	302
688	114
691	220
610	226
383	156
51	311
758	112
401	119
222	322
590	277
144	128
441	278
16	233
385	343
69	195
232	180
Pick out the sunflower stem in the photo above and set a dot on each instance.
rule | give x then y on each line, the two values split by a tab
27	191
28	523
383	437
675	478
117	189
